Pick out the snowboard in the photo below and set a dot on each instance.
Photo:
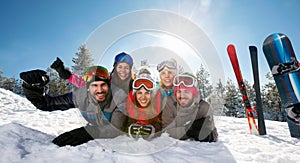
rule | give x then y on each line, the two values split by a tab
242	87
284	66
259	109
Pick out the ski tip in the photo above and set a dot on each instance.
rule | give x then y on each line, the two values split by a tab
252	48
231	49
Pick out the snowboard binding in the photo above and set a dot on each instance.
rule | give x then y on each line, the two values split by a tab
283	68
293	114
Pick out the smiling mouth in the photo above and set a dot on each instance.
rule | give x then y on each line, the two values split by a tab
100	95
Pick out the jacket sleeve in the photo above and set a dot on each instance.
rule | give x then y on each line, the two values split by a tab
105	131
76	80
203	128
119	118
168	112
59	102
49	102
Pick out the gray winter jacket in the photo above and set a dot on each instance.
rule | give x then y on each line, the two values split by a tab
101	117
195	121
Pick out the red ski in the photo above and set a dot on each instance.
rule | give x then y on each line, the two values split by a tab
248	109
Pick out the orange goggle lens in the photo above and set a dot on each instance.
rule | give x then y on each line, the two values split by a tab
146	83
96	72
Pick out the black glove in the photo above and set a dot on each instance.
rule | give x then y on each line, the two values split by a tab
58	65
34	79
73	138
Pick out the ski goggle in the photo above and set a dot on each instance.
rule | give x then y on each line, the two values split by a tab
169	64
186	80
96	73
123	57
143	82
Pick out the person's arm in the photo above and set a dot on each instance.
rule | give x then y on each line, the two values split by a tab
66	74
59	102
33	85
203	128
119	117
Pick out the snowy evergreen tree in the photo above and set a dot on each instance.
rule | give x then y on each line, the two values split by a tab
250	93
233	100
17	86
204	84
216	99
82	60
220	89
8	84
1	79
57	85
271	101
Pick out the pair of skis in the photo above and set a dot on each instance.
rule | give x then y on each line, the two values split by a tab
260	130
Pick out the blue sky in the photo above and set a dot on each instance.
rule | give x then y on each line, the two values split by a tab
33	33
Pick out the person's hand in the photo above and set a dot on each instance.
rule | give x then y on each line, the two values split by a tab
73	138
34	78
58	66
140	131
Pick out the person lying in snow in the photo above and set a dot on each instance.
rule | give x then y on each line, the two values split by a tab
194	117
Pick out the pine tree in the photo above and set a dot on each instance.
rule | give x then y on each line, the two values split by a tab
57	85
82	60
271	100
250	93
233	100
204	85
1	79
220	89
216	99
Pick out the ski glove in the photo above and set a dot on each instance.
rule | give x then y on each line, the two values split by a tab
34	79
141	131
73	138
58	65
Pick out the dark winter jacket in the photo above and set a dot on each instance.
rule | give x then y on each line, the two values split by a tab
100	116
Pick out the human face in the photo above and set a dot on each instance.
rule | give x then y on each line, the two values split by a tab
99	90
166	77
184	97
123	70
143	97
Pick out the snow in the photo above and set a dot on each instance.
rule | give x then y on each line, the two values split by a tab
26	135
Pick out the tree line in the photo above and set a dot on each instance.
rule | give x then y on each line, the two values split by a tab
225	98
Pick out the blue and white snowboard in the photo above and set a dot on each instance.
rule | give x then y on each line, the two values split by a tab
284	66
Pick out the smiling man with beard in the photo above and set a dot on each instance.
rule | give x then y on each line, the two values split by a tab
194	116
94	102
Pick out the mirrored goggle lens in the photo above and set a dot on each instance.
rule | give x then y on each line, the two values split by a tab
123	57
185	80
97	71
169	64
138	83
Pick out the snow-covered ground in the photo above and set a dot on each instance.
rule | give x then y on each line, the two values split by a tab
26	134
